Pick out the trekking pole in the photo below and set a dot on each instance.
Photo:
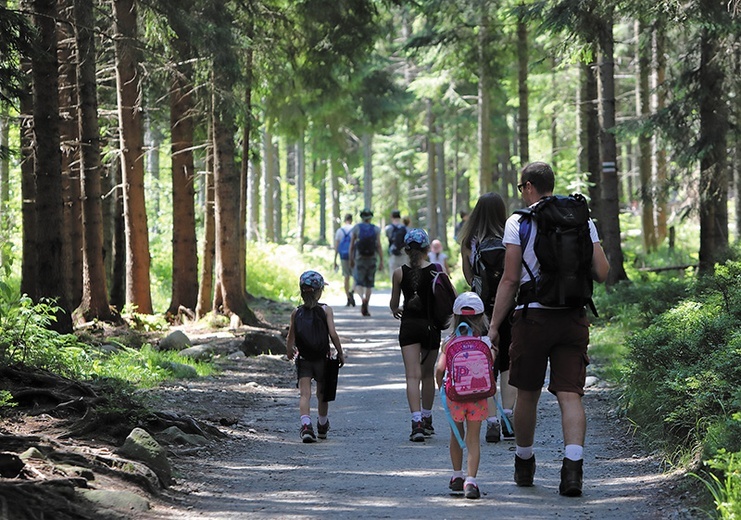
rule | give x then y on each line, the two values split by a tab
448	416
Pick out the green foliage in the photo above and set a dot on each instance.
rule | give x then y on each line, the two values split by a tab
6	399
685	368
726	489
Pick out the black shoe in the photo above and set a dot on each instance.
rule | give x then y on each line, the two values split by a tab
571	478
322	429
524	471
471	491
307	433
364	308
351	299
492	431
456	484
418	432
427	426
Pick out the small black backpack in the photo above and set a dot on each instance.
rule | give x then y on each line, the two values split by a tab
564	250
312	332
488	267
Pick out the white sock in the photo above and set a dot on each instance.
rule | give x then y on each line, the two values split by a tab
306	419
524	452
426	413
470	480
493	419
416	416
458	474
574	452
508	411
322	419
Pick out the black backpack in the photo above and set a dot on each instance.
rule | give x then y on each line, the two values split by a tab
311	332
488	267
396	240
365	244
564	249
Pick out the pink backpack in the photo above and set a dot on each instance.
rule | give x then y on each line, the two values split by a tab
469	366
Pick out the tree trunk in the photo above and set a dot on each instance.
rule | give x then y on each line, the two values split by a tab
72	238
367	169
128	87
590	139
268	173
118	243
522	111
301	190
713	135
232	294
659	44
484	102
94	301
245	186
643	111
431	223
277	199
184	243
440	198
253	201
52	264
334	189
206	288
609	177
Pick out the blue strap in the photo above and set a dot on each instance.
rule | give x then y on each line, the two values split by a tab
448	416
504	415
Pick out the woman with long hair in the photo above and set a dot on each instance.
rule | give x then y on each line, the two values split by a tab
487	221
418	339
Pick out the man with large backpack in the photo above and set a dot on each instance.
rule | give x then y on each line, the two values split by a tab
552	256
365	244
342	239
395	233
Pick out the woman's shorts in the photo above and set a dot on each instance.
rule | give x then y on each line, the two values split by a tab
365	271
311	369
462	411
419	331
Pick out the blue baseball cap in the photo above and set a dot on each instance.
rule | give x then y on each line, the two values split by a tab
416	237
312	279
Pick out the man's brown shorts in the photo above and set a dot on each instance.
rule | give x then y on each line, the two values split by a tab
560	336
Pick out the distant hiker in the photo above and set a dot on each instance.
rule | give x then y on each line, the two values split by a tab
470	411
457	230
549	324
395	233
342	239
418	339
311	328
436	255
364	246
482	261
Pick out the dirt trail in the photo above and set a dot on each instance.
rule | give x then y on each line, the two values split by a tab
368	468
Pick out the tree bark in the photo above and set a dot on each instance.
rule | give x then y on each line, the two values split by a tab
268	173
94	302
301	190
206	287
367	144
660	162
609	175
522	89
643	111
431	223
484	104
52	264
128	87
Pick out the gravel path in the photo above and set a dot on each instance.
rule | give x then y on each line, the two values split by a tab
368	468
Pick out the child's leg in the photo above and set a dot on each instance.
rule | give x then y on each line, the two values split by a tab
456	452
413	370
304	402
473	432
427	376
322	407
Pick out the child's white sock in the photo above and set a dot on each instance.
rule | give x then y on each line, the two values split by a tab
470	480
458	474
493	419
322	419
306	419
426	413
574	452
416	416
524	452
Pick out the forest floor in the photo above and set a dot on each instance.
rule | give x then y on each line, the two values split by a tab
367	467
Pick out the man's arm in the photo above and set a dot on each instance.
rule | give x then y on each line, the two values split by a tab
600	265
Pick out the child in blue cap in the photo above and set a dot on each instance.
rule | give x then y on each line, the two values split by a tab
311	328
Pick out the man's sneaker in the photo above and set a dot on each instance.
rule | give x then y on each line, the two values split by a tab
571	478
508	432
492	431
322	429
524	471
418	432
307	433
427	426
456	484
471	491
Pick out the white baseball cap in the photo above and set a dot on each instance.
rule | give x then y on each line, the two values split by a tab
468	303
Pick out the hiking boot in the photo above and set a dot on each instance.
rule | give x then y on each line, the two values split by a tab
571	478
351	299
492	431
508	432
322	429
427	426
418	432
524	471
471	491
307	433
456	484
364	308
